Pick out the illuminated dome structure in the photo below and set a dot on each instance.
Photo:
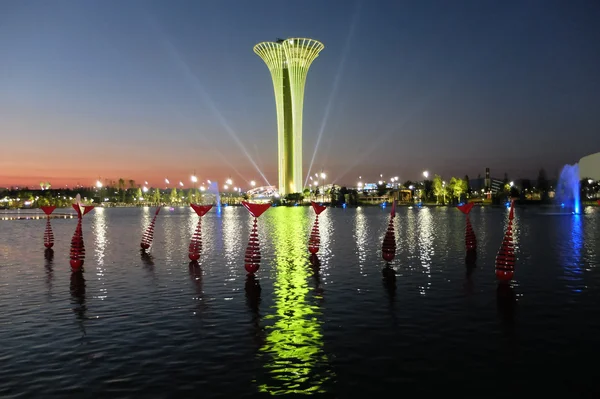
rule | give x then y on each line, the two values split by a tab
589	167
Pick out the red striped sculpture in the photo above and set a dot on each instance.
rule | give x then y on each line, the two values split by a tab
388	247
505	260
314	241
195	246
470	239
48	234
77	253
149	233
252	257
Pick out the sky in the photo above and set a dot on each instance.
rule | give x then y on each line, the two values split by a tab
148	90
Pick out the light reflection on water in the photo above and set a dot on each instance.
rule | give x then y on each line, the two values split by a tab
293	354
296	328
572	258
99	229
361	234
425	244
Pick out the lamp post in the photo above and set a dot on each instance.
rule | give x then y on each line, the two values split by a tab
194	180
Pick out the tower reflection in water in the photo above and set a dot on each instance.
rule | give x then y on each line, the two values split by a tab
293	355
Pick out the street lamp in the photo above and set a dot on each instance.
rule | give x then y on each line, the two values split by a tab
98	184
426	174
229	181
253	183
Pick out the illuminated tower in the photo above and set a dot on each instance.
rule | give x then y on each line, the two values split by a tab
288	61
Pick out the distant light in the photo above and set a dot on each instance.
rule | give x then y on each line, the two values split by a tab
512	183
181	183
426	174
225	186
194	179
209	182
145	189
98	184
253	183
344	205
167	181
202	188
228	181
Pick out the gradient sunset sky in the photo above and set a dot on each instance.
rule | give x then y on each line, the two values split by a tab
147	89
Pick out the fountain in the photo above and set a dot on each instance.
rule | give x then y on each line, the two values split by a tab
213	189
567	189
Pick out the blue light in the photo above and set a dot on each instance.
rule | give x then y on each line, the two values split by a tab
507	204
344	205
562	205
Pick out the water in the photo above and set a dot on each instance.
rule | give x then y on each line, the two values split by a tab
156	326
567	190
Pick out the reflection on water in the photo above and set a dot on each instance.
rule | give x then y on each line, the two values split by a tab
49	266
253	293
195	272
232	240
315	265
361	236
148	262
78	301
506	301
572	255
425	224
99	227
293	353
470	262
389	281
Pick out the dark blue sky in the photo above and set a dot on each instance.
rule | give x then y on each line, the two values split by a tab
148	89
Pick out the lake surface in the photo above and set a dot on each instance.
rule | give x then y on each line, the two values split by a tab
156	326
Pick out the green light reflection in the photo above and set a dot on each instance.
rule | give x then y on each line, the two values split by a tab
295	359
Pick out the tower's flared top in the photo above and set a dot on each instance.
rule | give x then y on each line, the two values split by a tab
283	51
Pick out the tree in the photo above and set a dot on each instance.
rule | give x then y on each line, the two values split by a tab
427	186
156	196
122	188
131	184
457	186
438	187
468	186
542	184
381	190
173	196
138	195
190	196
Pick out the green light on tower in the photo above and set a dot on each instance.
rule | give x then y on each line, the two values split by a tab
288	61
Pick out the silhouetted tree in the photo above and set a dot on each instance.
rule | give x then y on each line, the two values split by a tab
542	184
